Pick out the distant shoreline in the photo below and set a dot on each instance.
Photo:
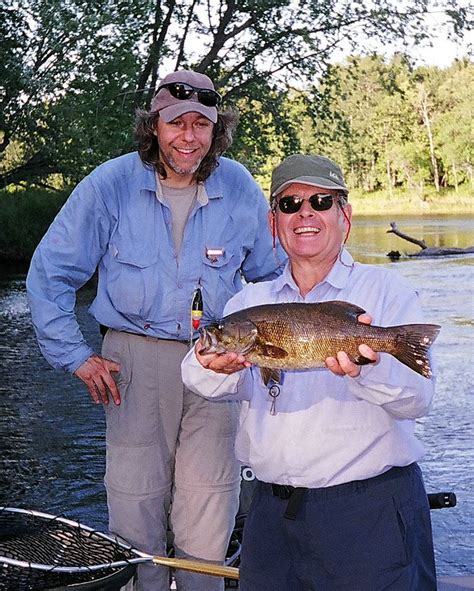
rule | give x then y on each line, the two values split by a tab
404	202
393	209
37	209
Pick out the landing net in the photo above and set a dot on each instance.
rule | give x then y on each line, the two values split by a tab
30	537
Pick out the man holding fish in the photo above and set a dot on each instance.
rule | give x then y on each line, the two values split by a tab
329	403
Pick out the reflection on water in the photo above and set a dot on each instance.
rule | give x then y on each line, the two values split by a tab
53	437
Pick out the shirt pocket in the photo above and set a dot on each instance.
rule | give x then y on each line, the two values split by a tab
220	281
131	280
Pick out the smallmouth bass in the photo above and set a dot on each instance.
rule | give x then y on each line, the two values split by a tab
276	337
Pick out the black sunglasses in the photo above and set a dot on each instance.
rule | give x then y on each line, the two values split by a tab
318	201
184	91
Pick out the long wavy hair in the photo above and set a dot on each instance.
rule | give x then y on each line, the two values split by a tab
149	149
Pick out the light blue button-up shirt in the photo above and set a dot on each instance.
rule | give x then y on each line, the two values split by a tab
327	429
115	222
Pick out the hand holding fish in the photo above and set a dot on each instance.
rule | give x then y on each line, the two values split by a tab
342	365
226	363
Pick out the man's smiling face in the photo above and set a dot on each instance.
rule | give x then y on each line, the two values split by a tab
311	234
184	142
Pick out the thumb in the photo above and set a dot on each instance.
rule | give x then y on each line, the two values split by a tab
365	318
112	365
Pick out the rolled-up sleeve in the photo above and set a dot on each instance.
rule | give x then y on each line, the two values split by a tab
398	389
64	261
208	383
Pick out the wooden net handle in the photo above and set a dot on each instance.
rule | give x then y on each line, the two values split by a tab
198	566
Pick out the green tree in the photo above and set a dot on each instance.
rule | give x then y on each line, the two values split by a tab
63	67
455	125
363	117
426	103
395	126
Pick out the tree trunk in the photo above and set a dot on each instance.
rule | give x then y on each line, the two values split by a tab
389	176
426	251
427	123
396	231
184	35
421	190
147	80
372	173
455	177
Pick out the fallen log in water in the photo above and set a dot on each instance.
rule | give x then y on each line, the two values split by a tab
426	251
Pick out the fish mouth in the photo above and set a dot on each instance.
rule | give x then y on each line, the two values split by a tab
307	230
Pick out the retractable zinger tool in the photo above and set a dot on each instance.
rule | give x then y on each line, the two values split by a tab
197	308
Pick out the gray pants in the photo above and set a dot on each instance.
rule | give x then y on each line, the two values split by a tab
170	462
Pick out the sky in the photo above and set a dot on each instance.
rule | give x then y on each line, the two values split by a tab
444	52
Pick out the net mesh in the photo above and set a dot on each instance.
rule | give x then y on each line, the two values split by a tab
37	539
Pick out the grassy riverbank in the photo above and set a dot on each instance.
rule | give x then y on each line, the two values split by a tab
26	215
24	218
403	202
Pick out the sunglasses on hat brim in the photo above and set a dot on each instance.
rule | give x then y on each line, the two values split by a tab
184	91
318	201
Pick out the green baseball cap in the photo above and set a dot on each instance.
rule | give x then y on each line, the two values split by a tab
318	171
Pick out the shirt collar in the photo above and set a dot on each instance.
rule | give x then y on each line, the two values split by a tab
148	182
212	188
338	276
285	280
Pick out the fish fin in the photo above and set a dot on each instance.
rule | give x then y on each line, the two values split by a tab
272	351
344	307
268	374
361	360
412	344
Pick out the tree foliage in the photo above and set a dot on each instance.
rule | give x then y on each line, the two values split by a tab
392	125
74	71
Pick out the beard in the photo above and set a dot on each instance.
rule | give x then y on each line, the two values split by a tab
180	170
169	161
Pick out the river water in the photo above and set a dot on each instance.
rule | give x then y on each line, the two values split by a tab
52	437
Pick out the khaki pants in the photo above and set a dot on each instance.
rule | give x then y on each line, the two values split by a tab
170	462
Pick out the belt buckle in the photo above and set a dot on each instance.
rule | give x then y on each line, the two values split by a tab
283	491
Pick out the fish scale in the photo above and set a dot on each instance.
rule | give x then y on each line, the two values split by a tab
307	348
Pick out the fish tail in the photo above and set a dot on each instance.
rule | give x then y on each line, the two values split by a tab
412	344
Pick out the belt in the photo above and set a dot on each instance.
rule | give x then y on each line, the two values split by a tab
293	494
282	491
103	330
